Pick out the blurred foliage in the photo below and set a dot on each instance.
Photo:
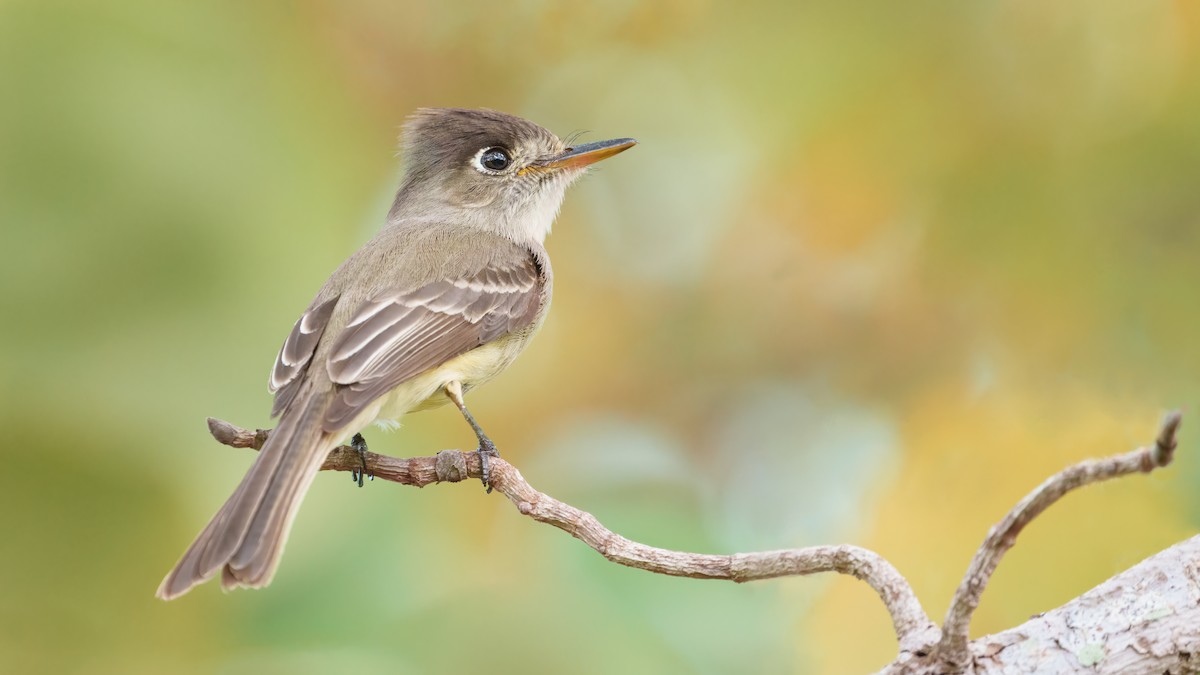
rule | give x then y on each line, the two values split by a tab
875	271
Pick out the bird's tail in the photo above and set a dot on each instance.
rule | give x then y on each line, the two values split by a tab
246	537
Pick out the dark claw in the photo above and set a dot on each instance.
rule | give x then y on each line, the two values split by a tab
486	449
359	444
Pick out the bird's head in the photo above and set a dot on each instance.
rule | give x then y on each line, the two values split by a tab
491	170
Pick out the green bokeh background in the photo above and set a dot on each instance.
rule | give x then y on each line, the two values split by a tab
875	270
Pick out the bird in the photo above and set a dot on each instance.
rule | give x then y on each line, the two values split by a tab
442	299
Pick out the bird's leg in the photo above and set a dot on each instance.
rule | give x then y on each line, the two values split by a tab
359	445
486	447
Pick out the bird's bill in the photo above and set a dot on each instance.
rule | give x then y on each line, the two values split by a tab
579	156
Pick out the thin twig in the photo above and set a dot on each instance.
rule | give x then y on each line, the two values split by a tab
953	647
913	627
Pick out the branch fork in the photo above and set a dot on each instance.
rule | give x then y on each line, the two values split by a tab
923	646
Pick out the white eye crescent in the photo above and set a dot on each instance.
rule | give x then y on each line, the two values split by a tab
493	160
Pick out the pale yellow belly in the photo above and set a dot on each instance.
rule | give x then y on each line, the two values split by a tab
427	390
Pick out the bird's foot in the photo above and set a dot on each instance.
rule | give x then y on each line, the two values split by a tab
486	450
359	445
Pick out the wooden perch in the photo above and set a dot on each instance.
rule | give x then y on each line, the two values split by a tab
1146	619
952	648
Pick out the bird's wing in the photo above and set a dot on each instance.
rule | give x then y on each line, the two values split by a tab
396	335
296	353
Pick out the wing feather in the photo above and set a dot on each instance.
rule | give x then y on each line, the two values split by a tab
296	352
391	319
397	335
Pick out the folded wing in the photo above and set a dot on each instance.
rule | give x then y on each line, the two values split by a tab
395	335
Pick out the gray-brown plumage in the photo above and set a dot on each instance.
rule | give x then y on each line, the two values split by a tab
440	301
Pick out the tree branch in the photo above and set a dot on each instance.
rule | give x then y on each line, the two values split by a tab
956	630
1144	620
913	627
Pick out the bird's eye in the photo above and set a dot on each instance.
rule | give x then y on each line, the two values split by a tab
494	159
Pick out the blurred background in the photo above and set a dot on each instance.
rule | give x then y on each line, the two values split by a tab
873	273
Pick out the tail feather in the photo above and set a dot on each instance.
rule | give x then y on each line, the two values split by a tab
255	561
228	530
246	537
